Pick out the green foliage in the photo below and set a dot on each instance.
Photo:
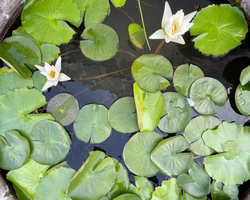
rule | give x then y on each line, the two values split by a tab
136	35
223	192
245	76
39	80
242	95
127	197
118	3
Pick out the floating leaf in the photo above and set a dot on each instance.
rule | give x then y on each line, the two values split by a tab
101	42
136	35
14	150
242	96
39	80
5	70
184	76
245	76
122	115
82	7
64	108
214	25
168	158
21	194
195	129
205	93
92	124
149	107
43	20
177	113
188	197
127	197
231	141
118	3
220	192
50	143
149	72
136	153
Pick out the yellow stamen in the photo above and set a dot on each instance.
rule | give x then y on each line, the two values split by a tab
52	74
175	28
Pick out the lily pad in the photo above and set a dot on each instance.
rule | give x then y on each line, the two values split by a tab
5	70
101	42
197	183
206	93
188	197
43	20
214	25
127	197
21	195
50	143
96	177
184	76
136	35
14	150
194	130
64	108
149	71
223	192
168	156
118	3
39	80
92	124
149	108
231	141
122	115
177	113
242	99
245	76
136	153
55	184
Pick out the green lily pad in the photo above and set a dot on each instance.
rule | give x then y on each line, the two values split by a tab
168	158
43	20
231	141
14	150
186	196
245	76
127	197
21	195
194	130
136	35
149	108
39	80
28	176
82	7
223	192
242	99
15	107
55	184
136	153
177	113
64	108
92	124
197	183
168	190
184	76
149	71
122	115
50	143
206	93
96	177
101	42
118	3
5	70
214	25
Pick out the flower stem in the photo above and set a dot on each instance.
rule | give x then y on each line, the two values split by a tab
158	49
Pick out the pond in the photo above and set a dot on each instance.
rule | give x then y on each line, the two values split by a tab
106	82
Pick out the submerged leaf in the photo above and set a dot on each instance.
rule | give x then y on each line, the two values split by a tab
136	35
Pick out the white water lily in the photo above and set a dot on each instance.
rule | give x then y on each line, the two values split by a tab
52	73
173	26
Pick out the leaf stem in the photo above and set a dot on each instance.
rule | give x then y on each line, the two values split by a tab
158	49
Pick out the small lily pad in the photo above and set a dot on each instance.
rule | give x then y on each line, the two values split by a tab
101	42
118	3
136	35
206	93
39	80
127	197
245	76
149	71
92	124
186	196
136	153
242	96
122	115
50	143
5	70
223	192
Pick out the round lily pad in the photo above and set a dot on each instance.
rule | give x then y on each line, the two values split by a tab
177	113
168	158
64	108
118	3
101	42
219	26
206	92
122	115
92	124
127	197
184	76
136	35
137	150
149	71
242	99
50	143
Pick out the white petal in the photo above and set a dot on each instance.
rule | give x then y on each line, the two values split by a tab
40	68
157	35
190	102
63	77
48	67
178	17
58	64
190	16
184	28
166	15
48	84
168	39
179	40
45	74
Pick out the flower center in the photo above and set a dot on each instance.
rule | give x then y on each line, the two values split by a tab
52	74
175	28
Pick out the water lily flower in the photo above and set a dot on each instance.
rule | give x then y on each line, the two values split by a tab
173	26
52	73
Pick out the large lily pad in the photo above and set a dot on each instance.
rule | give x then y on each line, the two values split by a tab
223	192
231	141
168	158
92	124
101	42
219	26
127	197
186	196
136	35
50	143
242	99
43	20
137	150
21	195
206	93
149	72
177	113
